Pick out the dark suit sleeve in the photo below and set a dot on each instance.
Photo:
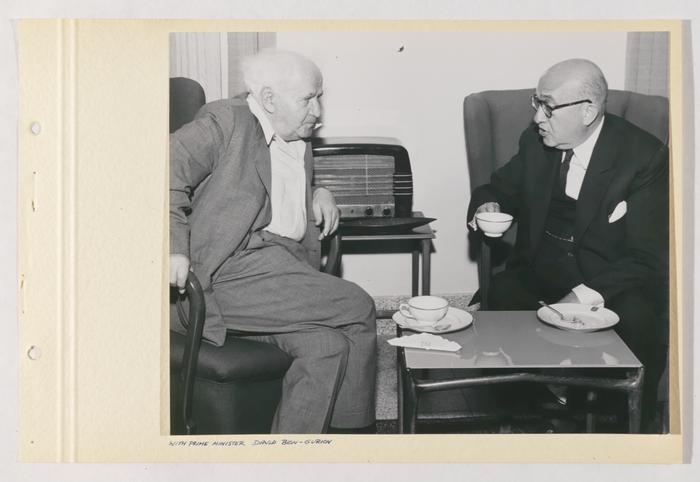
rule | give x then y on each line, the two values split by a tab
644	263
195	150
505	187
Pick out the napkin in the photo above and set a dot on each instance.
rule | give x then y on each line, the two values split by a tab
427	341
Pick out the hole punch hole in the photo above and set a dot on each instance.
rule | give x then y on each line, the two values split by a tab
34	353
35	128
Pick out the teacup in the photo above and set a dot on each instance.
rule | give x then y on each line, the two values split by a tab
424	310
493	224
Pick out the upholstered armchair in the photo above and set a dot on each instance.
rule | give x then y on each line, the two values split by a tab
234	388
493	122
186	97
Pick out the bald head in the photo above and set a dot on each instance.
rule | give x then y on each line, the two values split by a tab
574	92
582	78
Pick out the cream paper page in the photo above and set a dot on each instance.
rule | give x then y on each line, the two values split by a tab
93	197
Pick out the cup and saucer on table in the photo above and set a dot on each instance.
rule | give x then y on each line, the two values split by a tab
431	314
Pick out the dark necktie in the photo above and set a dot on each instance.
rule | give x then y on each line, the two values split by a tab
564	168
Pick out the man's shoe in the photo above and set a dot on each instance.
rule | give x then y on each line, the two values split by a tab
560	393
564	426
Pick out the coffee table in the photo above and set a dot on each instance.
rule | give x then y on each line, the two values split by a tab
514	346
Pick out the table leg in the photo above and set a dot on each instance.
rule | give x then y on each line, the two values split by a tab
591	398
414	272
406	393
409	412
634	403
425	265
399	392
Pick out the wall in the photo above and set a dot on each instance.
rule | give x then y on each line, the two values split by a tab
411	86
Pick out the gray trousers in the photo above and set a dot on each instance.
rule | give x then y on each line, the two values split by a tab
269	292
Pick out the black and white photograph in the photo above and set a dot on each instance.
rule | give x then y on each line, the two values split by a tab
419	232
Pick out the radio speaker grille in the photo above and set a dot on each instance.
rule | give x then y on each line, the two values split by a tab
369	177
357	179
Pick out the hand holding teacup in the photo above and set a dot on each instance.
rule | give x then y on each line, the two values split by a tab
491	220
424	311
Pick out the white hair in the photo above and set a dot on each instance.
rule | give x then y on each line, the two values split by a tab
273	68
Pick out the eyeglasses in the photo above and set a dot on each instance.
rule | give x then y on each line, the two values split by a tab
536	103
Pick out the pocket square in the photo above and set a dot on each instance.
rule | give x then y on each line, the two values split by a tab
619	211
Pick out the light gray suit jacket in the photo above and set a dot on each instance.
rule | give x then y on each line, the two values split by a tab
220	178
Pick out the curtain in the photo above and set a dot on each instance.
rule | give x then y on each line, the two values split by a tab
201	56
213	59
647	63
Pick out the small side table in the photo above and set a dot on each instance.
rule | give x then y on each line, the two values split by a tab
421	236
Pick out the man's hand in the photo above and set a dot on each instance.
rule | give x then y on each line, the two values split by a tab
570	297
489	207
325	211
179	269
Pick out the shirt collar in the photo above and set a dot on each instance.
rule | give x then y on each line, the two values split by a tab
259	113
584	151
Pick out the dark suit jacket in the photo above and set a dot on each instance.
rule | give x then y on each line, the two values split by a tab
220	176
627	164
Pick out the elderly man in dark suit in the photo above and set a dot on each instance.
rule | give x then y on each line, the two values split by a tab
590	193
244	217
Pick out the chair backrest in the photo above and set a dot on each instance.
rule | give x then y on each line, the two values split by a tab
186	97
494	120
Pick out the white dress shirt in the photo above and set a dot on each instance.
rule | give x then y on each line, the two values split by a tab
288	190
574	181
579	163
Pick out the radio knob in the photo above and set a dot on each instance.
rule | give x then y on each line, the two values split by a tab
386	212
369	211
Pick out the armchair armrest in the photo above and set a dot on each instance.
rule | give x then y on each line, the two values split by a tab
193	340
194	325
484	270
334	255
490	255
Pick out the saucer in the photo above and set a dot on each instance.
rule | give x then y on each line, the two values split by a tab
454	320
586	319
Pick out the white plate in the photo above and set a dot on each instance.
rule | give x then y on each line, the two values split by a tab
454	320
587	320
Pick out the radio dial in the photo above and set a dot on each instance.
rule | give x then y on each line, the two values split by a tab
369	211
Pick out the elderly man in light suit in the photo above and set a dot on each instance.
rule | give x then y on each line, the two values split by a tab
590	193
244	217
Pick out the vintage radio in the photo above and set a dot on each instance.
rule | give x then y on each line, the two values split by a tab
370	177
